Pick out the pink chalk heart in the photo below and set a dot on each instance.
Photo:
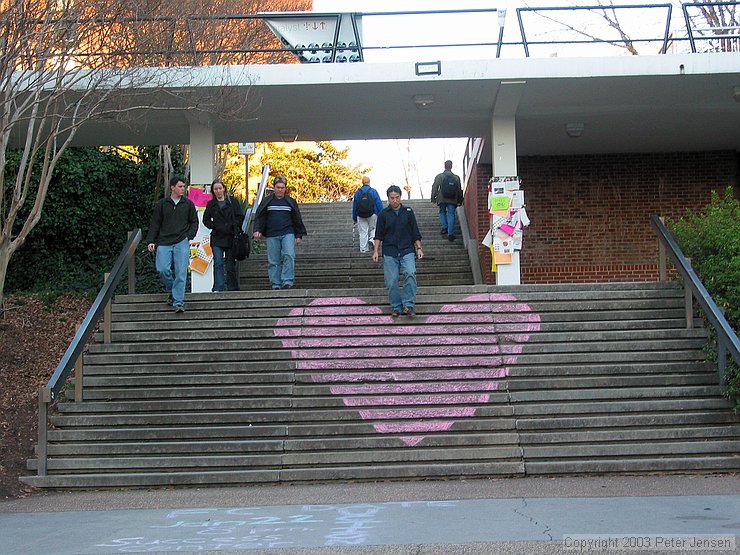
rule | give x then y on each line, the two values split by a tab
435	369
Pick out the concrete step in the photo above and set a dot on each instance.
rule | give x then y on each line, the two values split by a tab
322	384
461	335
216	478
633	465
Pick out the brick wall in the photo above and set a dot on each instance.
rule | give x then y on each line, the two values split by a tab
590	214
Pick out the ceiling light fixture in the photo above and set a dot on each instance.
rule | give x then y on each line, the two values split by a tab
574	130
289	135
423	101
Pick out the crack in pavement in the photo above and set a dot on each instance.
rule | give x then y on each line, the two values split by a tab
545	527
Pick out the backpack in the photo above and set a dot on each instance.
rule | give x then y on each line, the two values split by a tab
365	205
449	187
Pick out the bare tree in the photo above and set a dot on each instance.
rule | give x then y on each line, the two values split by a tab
715	25
718	26
63	64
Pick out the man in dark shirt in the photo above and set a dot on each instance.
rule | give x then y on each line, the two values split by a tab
447	200
174	224
278	219
399	234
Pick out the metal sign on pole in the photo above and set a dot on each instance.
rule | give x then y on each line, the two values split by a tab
246	148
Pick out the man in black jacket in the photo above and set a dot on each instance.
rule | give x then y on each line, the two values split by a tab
399	234
278	219
174	224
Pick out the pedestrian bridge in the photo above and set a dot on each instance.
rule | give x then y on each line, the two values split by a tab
502	86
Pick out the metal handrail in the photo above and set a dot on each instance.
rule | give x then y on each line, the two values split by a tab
51	390
189	47
525	43
727	339
689	27
248	222
473	150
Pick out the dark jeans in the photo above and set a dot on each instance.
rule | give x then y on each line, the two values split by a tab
225	275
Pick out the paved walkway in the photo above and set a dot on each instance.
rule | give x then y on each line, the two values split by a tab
661	514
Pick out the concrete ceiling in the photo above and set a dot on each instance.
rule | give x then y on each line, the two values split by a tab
626	104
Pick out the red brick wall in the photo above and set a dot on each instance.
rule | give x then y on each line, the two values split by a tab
590	214
477	213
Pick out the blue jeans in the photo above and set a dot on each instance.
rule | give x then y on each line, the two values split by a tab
179	256
391	268
224	265
447	217
281	251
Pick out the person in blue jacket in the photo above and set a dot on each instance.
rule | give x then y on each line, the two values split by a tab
366	205
278	219
399	234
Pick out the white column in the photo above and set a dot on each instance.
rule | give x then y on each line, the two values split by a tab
202	153
503	141
202	164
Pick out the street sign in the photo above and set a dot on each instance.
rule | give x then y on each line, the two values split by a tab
246	148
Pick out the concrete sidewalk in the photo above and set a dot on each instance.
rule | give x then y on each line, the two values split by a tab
666	514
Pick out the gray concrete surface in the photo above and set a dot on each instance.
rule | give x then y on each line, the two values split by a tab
532	515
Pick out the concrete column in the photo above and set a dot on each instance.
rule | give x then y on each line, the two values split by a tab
503	141
202	164
202	153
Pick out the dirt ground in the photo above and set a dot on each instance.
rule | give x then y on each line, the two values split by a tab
34	334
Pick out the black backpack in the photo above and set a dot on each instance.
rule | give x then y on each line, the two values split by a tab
365	205
449	187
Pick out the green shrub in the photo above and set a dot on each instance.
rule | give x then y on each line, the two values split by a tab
94	199
711	238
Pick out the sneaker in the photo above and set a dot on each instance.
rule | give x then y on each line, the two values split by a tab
287	286
451	237
395	314
170	301
275	287
443	232
179	308
409	311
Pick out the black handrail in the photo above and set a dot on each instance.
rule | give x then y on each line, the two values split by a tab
249	215
526	43
690	28
87	328
726	336
190	48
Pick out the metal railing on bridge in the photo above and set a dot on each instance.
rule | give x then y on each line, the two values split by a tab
589	30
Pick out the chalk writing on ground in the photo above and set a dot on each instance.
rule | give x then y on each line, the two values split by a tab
244	528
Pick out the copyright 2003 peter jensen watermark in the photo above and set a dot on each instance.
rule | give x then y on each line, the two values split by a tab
585	543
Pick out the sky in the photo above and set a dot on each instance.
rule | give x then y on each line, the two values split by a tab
402	161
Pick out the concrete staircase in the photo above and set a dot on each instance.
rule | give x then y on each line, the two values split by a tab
323	384
329	256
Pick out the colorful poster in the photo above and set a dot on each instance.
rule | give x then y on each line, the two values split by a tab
517	198
201	255
503	249
201	276
499	203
